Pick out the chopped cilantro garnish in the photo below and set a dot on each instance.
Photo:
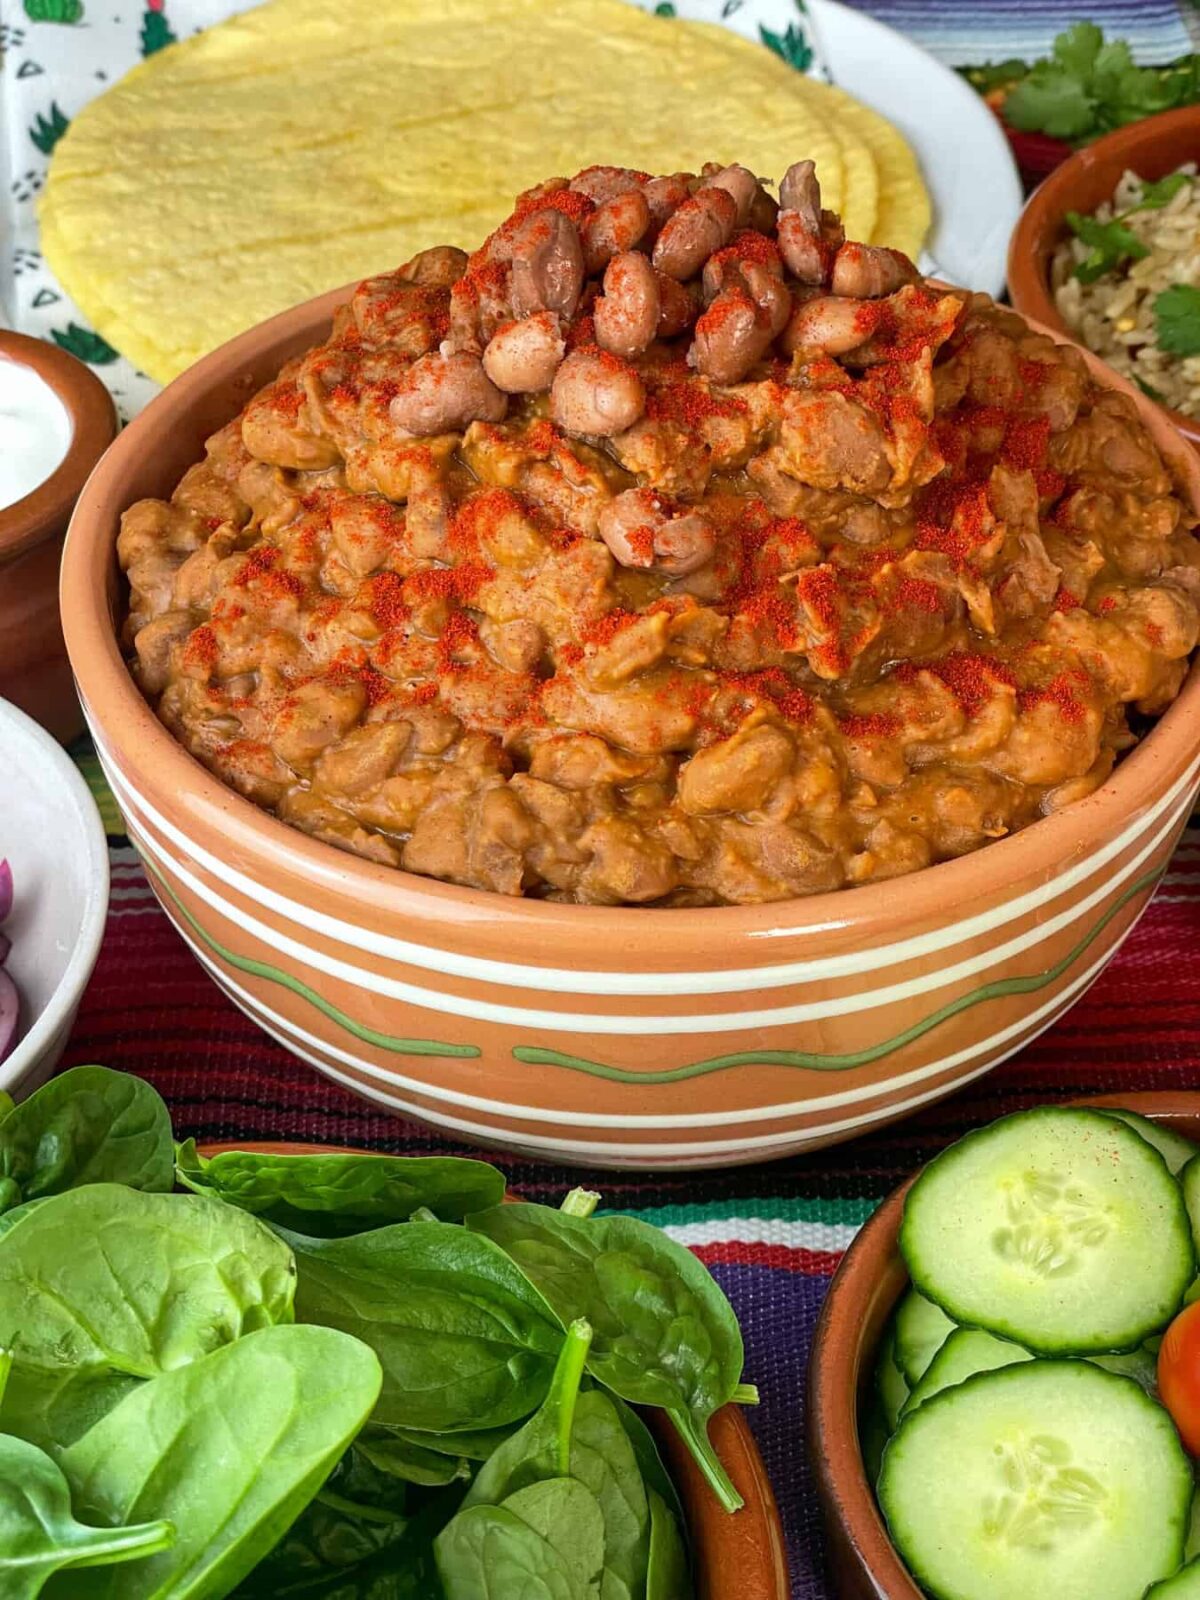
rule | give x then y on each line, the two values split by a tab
1087	86
1177	314
1110	243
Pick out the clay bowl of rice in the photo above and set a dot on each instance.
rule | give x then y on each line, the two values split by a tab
1108	252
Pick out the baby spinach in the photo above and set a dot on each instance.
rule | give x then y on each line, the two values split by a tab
664	1334
476	1444
328	1196
38	1533
667	1573
464	1338
106	1277
489	1553
53	1409
229	1448
580	1435
88	1125
415	1463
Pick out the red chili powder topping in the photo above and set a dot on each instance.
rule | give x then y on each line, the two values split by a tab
1154	634
449	583
259	562
286	399
480	515
689	403
1064	600
954	519
459	636
570	655
202	649
917	594
581	335
572	203
1109	603
1059	692
385	599
774	686
1026	442
605	629
748	245
282	585
971	679
870	725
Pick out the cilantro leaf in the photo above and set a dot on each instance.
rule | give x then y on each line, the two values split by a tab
1050	100
1156	195
1177	313
1110	243
1076	50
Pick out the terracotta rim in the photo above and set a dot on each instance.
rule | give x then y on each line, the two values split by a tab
117	708
864	1290
737	1558
1041	228
43	511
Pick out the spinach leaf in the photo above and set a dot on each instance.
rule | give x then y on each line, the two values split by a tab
387	1451
89	1125
489	1553
230	1449
329	1196
567	1517
476	1444
667	1575
654	1475
333	1553
664	1334
38	1534
53	1409
464	1338
106	1277
580	1435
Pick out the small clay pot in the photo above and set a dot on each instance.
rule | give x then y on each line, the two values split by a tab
1151	148
34	671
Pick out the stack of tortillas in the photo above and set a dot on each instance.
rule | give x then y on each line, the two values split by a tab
307	143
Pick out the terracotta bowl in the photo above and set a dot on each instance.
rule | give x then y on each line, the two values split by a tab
1151	148
739	1557
34	671
864	1563
605	1036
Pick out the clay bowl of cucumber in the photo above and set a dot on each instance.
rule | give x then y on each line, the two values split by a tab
1004	1393
283	1370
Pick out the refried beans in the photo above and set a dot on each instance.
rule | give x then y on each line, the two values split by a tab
668	550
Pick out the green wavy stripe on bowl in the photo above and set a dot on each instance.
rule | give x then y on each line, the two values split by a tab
260	969
536	1056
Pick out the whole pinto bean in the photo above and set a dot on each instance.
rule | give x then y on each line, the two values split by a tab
678	306
595	393
769	293
702	225
801	192
868	271
809	251
644	529
731	337
741	184
829	325
479	303
547	265
665	196
615	226
736	255
438	268
626	315
605	183
441	394
522	357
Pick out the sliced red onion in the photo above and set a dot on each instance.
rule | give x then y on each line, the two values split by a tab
6	890
10	1006
5	947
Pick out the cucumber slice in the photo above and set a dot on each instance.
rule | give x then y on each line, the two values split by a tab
891	1386
1185	1585
1190	1179
1139	1364
1175	1150
966	1352
1050	1479
921	1330
1191	1548
873	1435
1059	1229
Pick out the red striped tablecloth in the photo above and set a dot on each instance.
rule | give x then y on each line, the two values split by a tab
772	1234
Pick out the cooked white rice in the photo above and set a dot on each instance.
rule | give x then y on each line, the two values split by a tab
1114	315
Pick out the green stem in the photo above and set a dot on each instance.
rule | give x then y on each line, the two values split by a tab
746	1394
352	1508
564	1387
124	1544
7	1105
706	1458
423	1214
580	1203
6	1362
10	1194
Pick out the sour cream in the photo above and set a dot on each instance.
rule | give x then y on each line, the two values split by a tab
35	431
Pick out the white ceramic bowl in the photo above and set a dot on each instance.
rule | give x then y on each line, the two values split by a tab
51	833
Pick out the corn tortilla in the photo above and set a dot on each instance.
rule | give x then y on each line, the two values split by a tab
296	147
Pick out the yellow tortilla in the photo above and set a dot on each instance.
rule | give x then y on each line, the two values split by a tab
299	146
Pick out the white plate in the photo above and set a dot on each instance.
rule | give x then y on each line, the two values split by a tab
964	155
52	835
963	152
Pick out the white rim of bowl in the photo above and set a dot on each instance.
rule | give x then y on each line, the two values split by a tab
74	980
